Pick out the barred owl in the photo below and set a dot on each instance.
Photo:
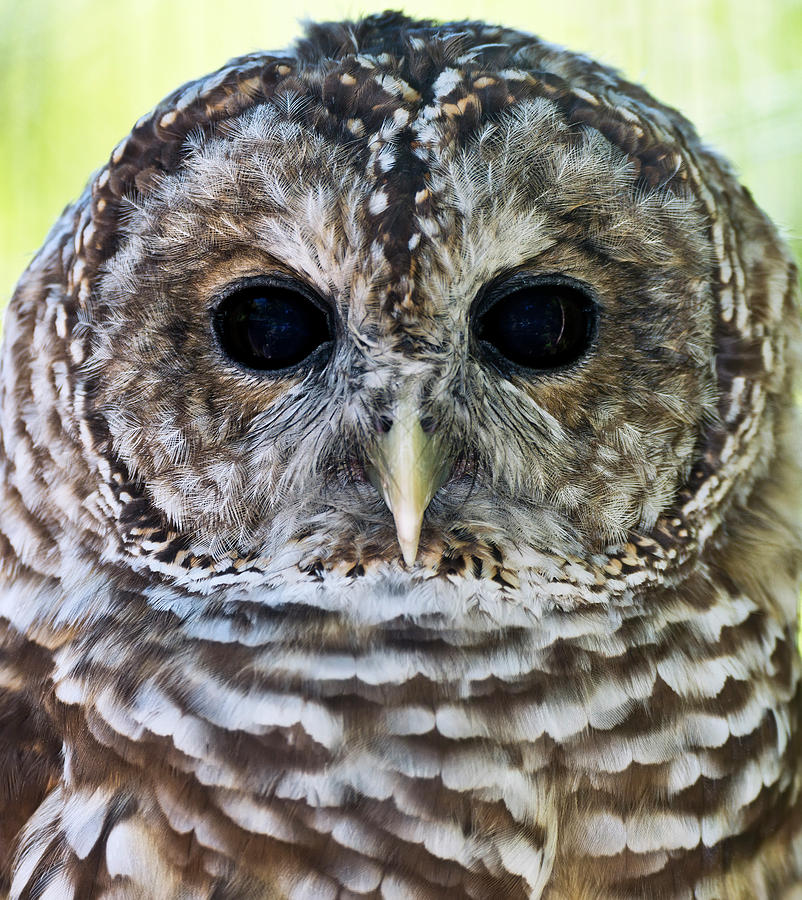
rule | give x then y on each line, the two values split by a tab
399	495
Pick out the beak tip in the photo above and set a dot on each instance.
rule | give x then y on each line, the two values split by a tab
408	526
409	554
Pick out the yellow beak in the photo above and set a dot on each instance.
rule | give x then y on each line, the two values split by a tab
407	468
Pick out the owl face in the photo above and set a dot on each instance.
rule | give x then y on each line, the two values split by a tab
398	494
539	313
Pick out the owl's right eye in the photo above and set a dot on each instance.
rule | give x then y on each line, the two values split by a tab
270	326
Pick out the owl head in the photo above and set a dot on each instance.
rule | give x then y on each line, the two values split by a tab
444	299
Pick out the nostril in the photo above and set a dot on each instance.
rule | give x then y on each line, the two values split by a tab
428	425
383	424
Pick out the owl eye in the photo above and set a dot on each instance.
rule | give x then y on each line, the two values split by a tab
539	325
270	326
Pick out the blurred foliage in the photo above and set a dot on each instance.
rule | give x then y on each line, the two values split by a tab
75	75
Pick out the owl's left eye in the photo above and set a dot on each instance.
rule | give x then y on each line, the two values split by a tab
270	326
537	323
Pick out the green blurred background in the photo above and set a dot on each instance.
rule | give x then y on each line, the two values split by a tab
75	75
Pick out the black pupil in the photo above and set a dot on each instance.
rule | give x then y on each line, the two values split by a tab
539	326
270	326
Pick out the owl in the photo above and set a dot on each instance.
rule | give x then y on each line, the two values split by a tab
400	495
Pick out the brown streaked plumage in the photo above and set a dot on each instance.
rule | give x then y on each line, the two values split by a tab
237	663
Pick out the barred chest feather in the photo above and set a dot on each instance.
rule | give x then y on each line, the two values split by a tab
372	737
